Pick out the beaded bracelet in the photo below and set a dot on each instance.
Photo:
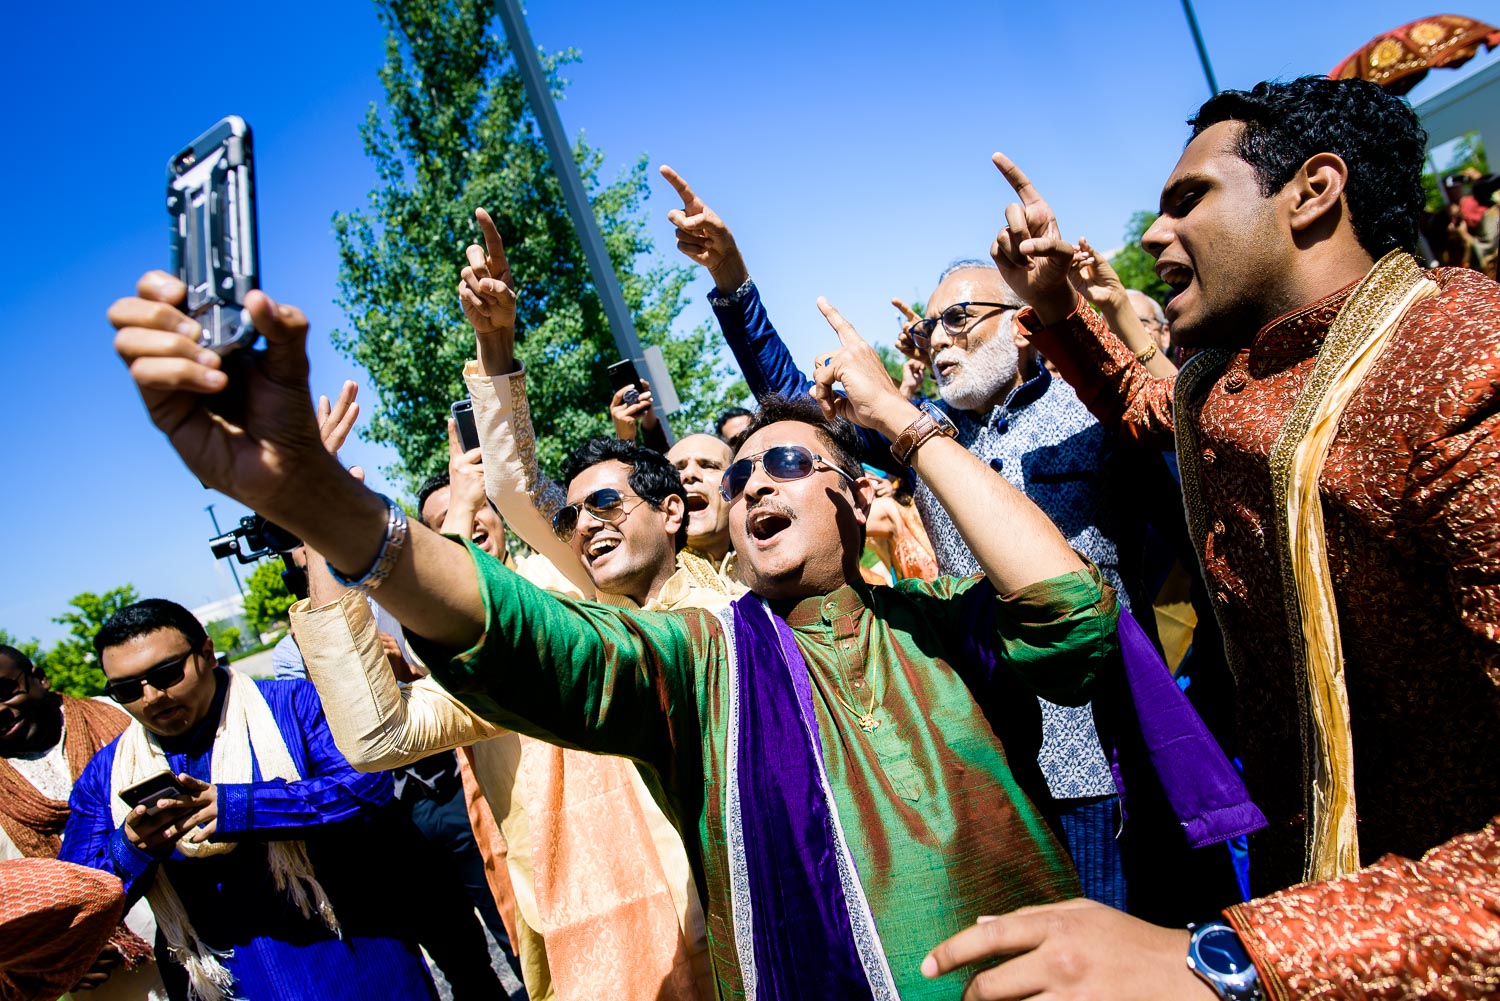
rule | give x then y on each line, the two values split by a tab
1146	354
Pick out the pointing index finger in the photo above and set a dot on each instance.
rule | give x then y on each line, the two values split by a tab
494	247
1025	190
848	336
689	198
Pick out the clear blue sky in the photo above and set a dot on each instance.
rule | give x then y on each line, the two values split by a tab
847	144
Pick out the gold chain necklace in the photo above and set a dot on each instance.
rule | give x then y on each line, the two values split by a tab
867	721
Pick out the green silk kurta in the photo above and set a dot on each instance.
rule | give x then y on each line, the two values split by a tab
938	828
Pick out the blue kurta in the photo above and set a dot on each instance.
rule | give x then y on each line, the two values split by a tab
355	845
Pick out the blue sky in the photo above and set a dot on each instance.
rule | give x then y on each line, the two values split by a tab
847	145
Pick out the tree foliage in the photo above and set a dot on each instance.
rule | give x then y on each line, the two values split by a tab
1468	153
266	597
225	634
456	133
1136	268
71	664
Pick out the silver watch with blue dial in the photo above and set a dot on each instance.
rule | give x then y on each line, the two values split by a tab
1218	957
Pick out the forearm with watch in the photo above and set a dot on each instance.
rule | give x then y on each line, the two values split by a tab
1220	959
978	499
425	580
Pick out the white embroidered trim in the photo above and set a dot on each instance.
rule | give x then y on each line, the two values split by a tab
734	831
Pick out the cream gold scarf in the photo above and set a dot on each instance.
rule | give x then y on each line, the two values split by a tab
247	734
1354	343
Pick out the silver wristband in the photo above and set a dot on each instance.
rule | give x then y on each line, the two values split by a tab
385	560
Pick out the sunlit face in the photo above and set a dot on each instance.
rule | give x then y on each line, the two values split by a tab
181	706
30	715
797	538
701	460
634	555
488	531
976	369
1222	245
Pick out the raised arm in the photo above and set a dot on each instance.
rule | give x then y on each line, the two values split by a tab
1035	260
1015	543
514	482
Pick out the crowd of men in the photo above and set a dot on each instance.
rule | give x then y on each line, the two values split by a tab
1092	677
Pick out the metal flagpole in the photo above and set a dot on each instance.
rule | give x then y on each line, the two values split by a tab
603	272
1208	70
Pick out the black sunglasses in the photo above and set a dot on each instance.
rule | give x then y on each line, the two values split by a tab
955	320
783	462
161	677
607	504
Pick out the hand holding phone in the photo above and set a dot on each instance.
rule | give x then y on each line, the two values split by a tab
463	416
193	811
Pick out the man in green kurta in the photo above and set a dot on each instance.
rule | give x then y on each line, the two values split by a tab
920	827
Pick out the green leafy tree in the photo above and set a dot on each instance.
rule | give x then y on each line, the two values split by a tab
225	634
456	133
71	664
266	597
1136	268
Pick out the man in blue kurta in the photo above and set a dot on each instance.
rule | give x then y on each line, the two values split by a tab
271	872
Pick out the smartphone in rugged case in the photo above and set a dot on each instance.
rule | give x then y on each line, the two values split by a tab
463	416
162	785
211	199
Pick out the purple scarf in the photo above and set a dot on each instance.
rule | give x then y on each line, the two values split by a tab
796	889
1154	736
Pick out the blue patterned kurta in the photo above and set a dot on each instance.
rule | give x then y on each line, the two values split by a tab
356	851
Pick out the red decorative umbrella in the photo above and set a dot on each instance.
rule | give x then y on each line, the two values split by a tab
1398	60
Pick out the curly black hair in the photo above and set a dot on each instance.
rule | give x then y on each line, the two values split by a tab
652	476
1377	135
840	434
146	617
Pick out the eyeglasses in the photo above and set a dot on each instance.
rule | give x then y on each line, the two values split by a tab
161	677
782	463
955	319
606	504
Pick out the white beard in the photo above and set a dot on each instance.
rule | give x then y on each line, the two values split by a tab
982	373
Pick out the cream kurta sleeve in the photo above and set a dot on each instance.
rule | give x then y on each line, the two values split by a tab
525	498
376	722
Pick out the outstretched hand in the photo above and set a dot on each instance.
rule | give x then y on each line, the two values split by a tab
870	398
1071	950
703	237
1032	255
255	445
487	292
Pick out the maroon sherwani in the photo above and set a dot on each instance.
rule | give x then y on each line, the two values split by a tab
1411	505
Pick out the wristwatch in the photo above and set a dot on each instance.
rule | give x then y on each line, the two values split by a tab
929	422
1216	954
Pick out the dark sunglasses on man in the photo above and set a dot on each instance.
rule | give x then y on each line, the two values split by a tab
606	504
161	677
956	319
782	463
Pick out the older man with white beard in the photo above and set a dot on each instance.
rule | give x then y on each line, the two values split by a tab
1026	425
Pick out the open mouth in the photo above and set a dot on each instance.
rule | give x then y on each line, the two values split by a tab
10	729
168	714
1177	276
601	546
480	537
696	503
764	524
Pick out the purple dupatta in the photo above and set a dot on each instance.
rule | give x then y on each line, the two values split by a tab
803	928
